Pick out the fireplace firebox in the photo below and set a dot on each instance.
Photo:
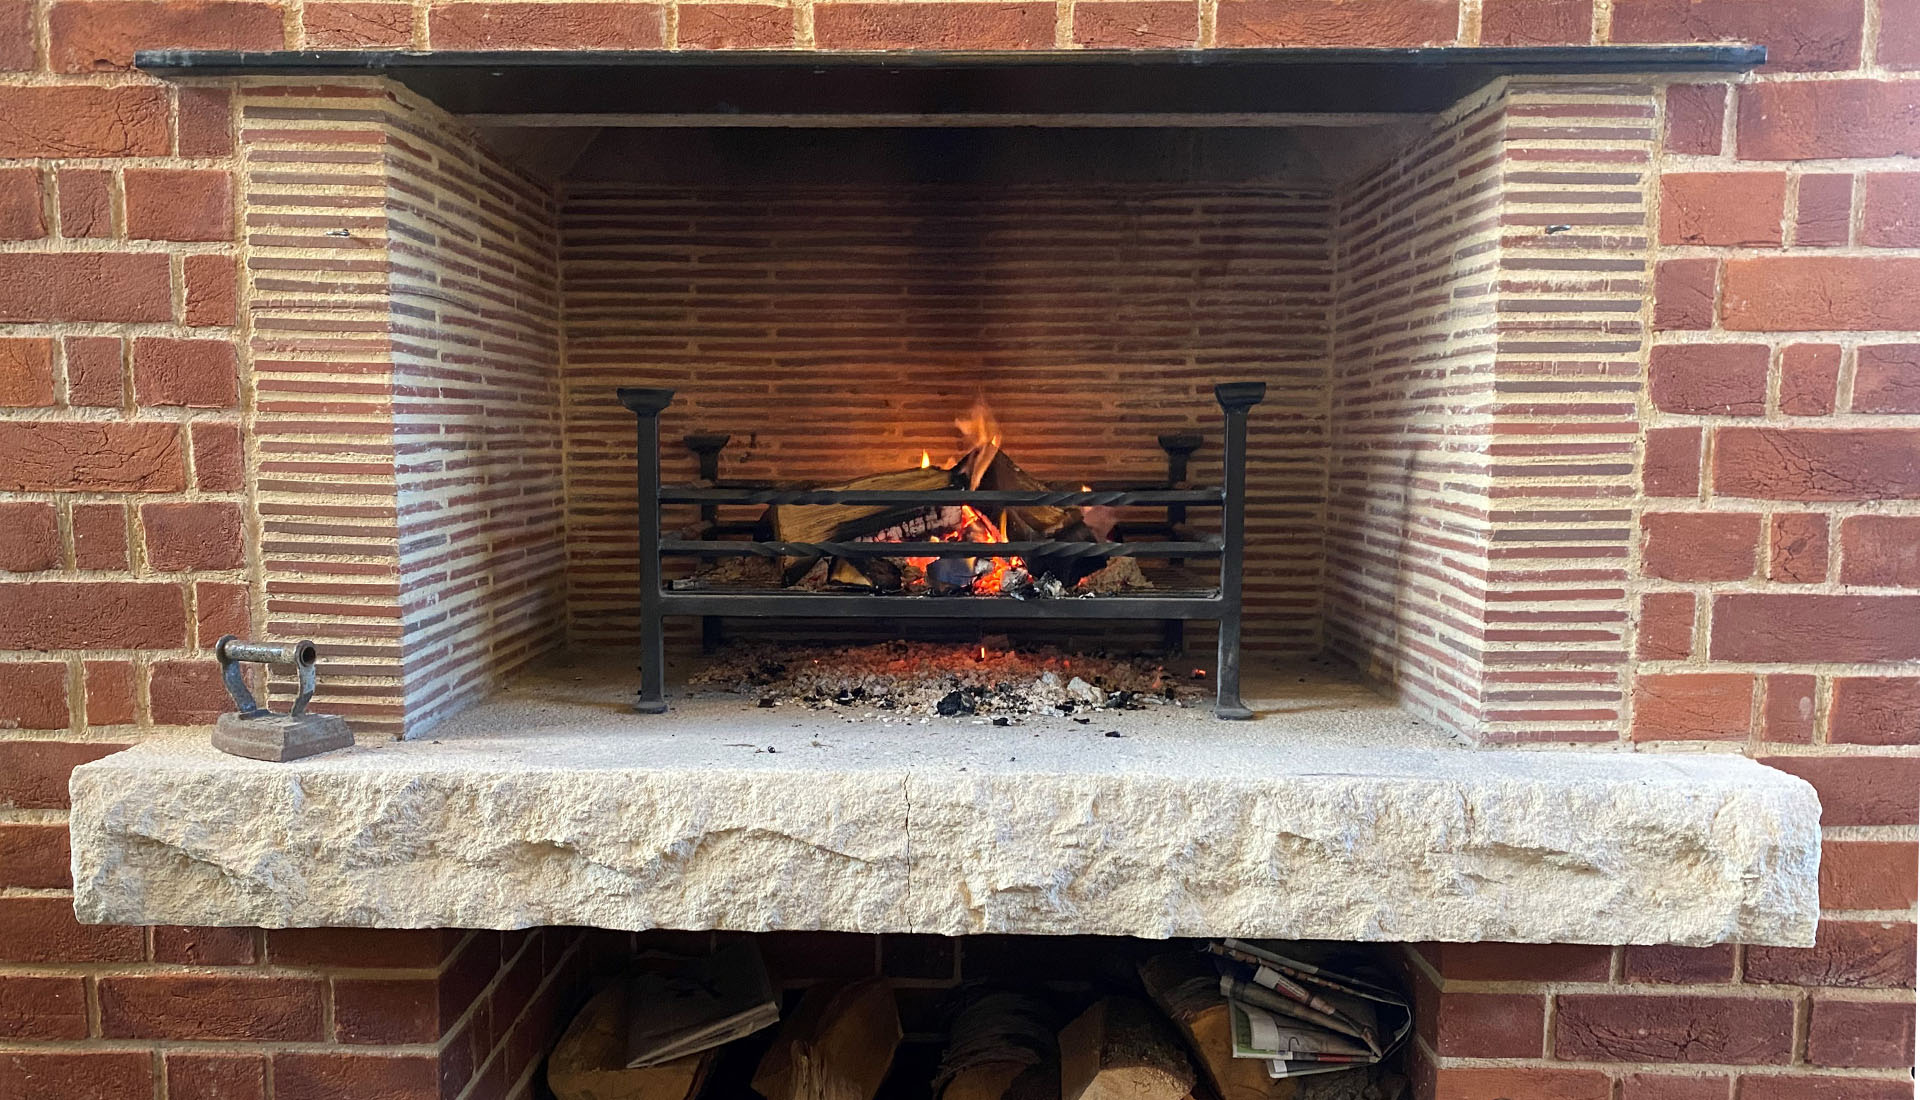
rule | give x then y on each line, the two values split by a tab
1221	604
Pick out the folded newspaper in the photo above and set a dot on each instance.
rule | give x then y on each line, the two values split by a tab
1302	1019
684	1006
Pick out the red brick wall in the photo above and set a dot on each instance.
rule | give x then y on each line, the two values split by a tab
1793	468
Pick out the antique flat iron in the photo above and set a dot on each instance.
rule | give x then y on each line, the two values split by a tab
252	730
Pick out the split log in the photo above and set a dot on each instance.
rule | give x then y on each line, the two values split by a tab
843	522
1121	1049
1186	987
838	1045
590	1061
1000	1046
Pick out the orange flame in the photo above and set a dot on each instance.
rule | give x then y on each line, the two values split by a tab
980	431
926	460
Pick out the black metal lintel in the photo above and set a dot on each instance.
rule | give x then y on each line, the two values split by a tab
1055	83
1046	548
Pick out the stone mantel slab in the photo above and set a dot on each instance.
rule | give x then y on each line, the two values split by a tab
1334	817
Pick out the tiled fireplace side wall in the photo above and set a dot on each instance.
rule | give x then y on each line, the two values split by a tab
403	309
835	331
1487	341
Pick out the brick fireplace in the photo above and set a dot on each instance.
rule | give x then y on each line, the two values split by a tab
1588	424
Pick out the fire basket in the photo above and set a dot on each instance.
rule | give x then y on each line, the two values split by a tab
1220	604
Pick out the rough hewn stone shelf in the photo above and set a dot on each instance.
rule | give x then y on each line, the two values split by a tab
1335	816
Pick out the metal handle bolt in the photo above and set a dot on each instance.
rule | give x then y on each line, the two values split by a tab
301	656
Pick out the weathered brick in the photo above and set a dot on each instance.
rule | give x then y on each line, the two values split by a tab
101	35
1886	379
387	1011
1722	208
179	204
1859	790
33	774
42	615
1606	1027
1135	24
1809	464
204	946
1899	46
33	695
77	1075
933	26
77	121
1824	210
1809	378
86	202
1519	962
186	693
465	25
356	26
1490	1025
1890	210
1788	714
180	1006
67	455
96	375
29	536
1521	1083
1671	467
1680	965
100	536
1868	874
1869	1034
301	1076
1665	631
1808	35
1795	293
1683	293
84	286
197	373
1764	626
215	1076
219	609
1799	1087
1696	117
1845	953
1797	548
1875	710
16	35
34	856
424	948
1338	22
1810	119
193	535
22	206
1536	22
1709	379
1700	546
218	463
735	26
211	292
1880	550
1673	1086
206	122
110	688
1688	706
42	930
33	1007
26	372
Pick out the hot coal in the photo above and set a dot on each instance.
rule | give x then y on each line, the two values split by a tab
953	681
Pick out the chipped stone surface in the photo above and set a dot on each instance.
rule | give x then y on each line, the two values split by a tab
1334	816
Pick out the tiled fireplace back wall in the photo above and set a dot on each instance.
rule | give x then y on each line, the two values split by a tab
1440	479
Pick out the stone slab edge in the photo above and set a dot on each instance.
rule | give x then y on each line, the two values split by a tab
1692	850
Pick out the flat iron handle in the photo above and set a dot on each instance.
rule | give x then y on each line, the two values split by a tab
301	656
